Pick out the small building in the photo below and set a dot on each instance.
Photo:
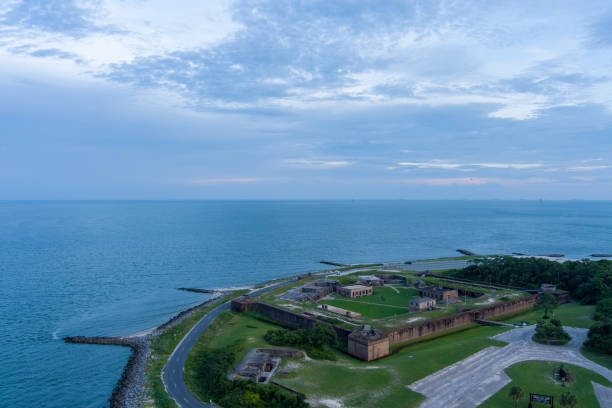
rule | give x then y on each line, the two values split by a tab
340	311
370	280
440	294
355	291
548	288
419	304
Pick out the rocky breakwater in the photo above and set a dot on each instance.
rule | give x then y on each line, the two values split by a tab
130	390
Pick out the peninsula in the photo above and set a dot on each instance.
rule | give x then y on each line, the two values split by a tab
393	334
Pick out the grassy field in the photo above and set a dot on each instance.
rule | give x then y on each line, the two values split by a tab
378	383
228	328
571	314
537	377
161	348
384	302
600	358
382	383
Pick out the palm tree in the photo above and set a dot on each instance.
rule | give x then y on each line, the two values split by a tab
568	400
516	393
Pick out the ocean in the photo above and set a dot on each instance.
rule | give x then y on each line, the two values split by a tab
113	267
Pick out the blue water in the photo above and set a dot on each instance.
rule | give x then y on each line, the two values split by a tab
112	268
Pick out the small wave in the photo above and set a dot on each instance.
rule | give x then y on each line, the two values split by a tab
55	335
234	288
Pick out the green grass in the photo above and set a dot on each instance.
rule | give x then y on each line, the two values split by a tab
570	314
161	348
382	383
600	358
229	328
355	383
383	303
537	377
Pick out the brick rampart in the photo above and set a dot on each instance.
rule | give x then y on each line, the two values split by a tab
299	321
460	319
371	349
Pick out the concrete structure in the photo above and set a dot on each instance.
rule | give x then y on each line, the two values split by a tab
312	291
548	288
392	279
260	364
355	291
419	304
370	280
340	311
442	295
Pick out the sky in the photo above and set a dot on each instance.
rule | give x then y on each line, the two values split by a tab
191	99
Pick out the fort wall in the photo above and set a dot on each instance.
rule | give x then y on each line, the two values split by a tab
428	327
368	349
297	320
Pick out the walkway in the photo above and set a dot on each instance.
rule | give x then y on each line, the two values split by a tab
470	382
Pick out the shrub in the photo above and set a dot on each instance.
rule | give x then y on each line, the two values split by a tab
600	337
316	342
213	366
551	331
604	309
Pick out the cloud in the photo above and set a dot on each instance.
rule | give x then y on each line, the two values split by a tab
519	166
473	181
588	168
434	164
440	164
585	178
317	163
240	55
117	31
230	180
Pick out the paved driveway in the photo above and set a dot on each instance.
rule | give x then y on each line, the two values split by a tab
470	382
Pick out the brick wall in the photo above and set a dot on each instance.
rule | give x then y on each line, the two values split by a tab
460	319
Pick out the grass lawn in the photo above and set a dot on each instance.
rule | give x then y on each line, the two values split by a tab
537	377
358	384
161	348
573	315
378	383
228	328
383	303
600	358
570	314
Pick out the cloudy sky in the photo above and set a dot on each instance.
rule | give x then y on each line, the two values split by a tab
194	99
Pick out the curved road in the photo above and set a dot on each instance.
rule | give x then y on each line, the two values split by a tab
173	374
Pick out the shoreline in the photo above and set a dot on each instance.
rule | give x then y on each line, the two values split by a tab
131	390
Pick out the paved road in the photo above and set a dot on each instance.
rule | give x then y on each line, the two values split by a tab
431	265
468	383
173	373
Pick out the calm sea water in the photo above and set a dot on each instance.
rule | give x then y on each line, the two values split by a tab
112	268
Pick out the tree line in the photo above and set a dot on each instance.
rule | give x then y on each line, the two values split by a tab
587	281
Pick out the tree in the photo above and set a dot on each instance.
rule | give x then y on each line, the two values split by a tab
600	337
604	309
547	302
568	400
516	393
